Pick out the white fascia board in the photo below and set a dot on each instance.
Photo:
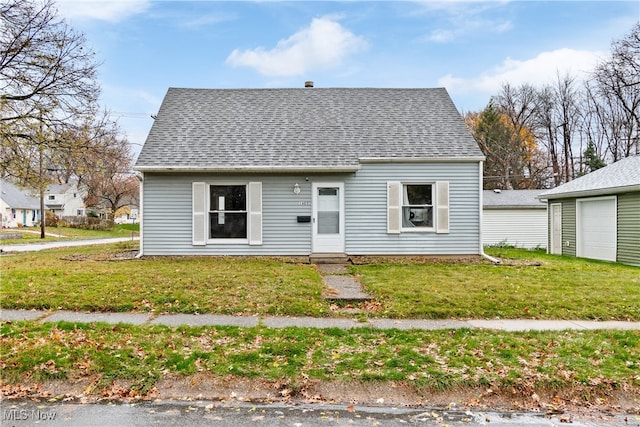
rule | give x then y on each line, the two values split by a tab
590	193
421	159
243	169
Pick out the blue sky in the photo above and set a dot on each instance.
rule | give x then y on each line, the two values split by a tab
471	48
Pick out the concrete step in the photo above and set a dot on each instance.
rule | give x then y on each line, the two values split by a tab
332	258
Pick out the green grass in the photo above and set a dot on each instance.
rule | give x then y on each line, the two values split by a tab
54	234
440	360
88	279
530	284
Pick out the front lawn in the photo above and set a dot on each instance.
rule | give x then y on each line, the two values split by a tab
130	361
528	285
55	234
94	279
599	361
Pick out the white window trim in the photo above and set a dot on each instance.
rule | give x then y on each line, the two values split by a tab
208	211
201	194
433	209
440	208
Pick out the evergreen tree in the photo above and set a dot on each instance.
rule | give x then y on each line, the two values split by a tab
591	159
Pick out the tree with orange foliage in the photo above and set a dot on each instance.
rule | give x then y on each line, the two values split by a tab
510	151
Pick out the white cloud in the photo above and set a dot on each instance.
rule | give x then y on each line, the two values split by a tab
468	28
112	10
542	69
324	43
462	19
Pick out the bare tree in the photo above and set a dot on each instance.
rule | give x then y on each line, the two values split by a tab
546	130
47	73
48	95
110	185
518	105
617	84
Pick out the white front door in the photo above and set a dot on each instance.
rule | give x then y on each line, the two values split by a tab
556	229
328	217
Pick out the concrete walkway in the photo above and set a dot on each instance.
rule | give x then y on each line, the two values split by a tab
342	287
310	322
28	247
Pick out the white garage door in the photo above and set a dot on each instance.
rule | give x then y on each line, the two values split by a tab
596	228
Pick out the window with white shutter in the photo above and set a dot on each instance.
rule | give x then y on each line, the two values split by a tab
417	207
227	213
198	223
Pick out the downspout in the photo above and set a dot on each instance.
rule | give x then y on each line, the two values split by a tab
140	215
480	209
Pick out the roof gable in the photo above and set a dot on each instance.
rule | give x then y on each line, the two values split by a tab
333	128
618	177
17	198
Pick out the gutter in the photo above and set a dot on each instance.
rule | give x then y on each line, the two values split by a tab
140	213
480	214
588	193
471	159
248	169
489	257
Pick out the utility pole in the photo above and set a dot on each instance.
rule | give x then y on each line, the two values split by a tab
41	185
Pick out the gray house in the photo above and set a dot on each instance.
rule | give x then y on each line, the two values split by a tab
598	215
310	171
514	217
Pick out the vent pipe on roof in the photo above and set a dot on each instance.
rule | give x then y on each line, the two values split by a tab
308	83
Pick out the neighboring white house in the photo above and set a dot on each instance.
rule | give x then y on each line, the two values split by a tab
514	217
64	200
18	208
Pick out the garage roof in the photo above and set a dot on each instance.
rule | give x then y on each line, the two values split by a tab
620	177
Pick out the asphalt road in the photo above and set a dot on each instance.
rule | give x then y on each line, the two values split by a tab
25	413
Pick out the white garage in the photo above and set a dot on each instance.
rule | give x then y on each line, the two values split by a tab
514	217
596	228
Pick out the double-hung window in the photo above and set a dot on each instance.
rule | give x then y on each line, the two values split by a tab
417	206
227	211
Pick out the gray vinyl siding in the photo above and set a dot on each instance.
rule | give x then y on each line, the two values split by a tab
569	227
167	216
629	228
366	207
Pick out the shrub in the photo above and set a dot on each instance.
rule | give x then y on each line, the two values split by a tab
51	219
87	223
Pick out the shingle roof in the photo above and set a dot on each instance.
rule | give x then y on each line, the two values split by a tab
303	128
621	176
16	198
513	199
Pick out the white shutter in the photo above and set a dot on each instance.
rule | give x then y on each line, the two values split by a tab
442	207
394	207
255	213
198	206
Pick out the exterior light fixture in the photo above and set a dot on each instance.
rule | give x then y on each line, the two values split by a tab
296	189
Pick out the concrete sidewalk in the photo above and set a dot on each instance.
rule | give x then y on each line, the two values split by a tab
510	325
